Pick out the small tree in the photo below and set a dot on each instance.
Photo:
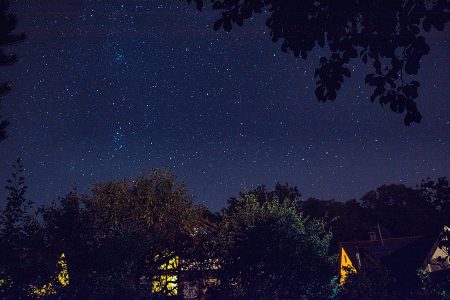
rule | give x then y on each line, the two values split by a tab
14	216
370	282
434	288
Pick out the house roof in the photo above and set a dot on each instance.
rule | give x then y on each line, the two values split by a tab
375	250
402	256
405	262
207	224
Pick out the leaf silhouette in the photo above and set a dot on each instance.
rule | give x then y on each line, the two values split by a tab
374	31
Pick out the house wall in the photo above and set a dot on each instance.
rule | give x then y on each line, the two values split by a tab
345	266
440	259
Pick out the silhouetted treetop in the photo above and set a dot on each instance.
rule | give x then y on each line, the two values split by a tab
282	192
384	34
8	23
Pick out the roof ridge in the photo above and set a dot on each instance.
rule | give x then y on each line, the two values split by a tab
388	239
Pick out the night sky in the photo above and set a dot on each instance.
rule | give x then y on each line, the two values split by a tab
114	88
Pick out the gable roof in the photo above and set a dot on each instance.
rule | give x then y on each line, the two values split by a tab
402	256
404	263
375	250
438	244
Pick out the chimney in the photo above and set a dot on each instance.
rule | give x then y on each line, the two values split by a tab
379	231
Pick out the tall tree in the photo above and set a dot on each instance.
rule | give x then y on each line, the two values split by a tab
437	194
387	35
271	251
347	220
282	192
18	239
116	240
401	210
8	23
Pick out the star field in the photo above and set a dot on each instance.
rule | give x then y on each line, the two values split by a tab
112	89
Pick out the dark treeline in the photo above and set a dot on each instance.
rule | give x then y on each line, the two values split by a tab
132	239
401	210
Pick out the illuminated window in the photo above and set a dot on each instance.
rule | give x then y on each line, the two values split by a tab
61	280
166	284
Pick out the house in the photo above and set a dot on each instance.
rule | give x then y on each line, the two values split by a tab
438	258
403	255
175	278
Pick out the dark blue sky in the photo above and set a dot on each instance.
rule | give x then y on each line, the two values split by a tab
111	89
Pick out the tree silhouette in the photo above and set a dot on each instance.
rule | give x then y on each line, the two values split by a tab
437	193
19	236
281	192
8	23
269	250
384	34
116	239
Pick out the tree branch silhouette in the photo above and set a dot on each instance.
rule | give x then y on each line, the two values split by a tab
384	34
8	23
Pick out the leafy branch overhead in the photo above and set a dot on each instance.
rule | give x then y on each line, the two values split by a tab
385	34
8	23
